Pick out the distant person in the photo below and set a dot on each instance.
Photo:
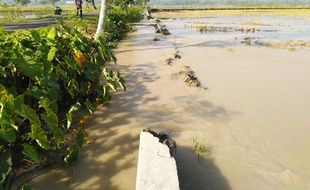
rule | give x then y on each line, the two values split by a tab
57	11
78	4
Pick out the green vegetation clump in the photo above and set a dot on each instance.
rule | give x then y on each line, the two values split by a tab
200	147
118	19
47	76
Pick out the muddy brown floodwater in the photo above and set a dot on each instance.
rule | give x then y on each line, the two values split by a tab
253	107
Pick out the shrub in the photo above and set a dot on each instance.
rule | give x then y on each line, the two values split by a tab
119	21
200	147
46	75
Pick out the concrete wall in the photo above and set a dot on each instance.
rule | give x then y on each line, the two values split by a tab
157	170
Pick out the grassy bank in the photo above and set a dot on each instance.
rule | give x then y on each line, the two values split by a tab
38	8
24	13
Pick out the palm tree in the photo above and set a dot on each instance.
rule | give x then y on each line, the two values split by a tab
102	18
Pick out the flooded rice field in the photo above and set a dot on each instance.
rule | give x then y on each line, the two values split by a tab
252	108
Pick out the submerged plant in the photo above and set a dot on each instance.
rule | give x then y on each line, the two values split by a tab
200	147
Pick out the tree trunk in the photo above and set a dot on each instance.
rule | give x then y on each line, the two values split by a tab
102	18
93	3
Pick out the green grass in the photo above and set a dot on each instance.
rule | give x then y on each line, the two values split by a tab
230	6
200	146
20	13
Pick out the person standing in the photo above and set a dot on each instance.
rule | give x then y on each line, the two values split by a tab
78	4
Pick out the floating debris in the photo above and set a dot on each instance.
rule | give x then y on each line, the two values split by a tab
169	61
165	31
247	41
160	28
191	79
247	30
205	29
291	45
177	55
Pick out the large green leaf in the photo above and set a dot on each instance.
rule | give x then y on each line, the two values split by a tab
106	94
89	106
62	72
5	96
84	87
2	32
51	54
35	35
32	153
69	120
30	67
3	71
26	111
51	121
46	103
80	138
50	81
52	34
49	93
72	64
73	108
7	132
39	135
72	155
121	81
92	72
27	187
73	88
5	166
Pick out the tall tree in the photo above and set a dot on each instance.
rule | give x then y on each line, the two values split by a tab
102	18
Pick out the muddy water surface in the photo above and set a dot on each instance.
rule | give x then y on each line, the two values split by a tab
253	107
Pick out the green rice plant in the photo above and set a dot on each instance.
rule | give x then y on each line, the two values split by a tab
200	147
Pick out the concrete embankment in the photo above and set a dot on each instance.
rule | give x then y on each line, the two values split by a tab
157	168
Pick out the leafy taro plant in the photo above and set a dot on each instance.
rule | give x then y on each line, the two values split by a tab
46	76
